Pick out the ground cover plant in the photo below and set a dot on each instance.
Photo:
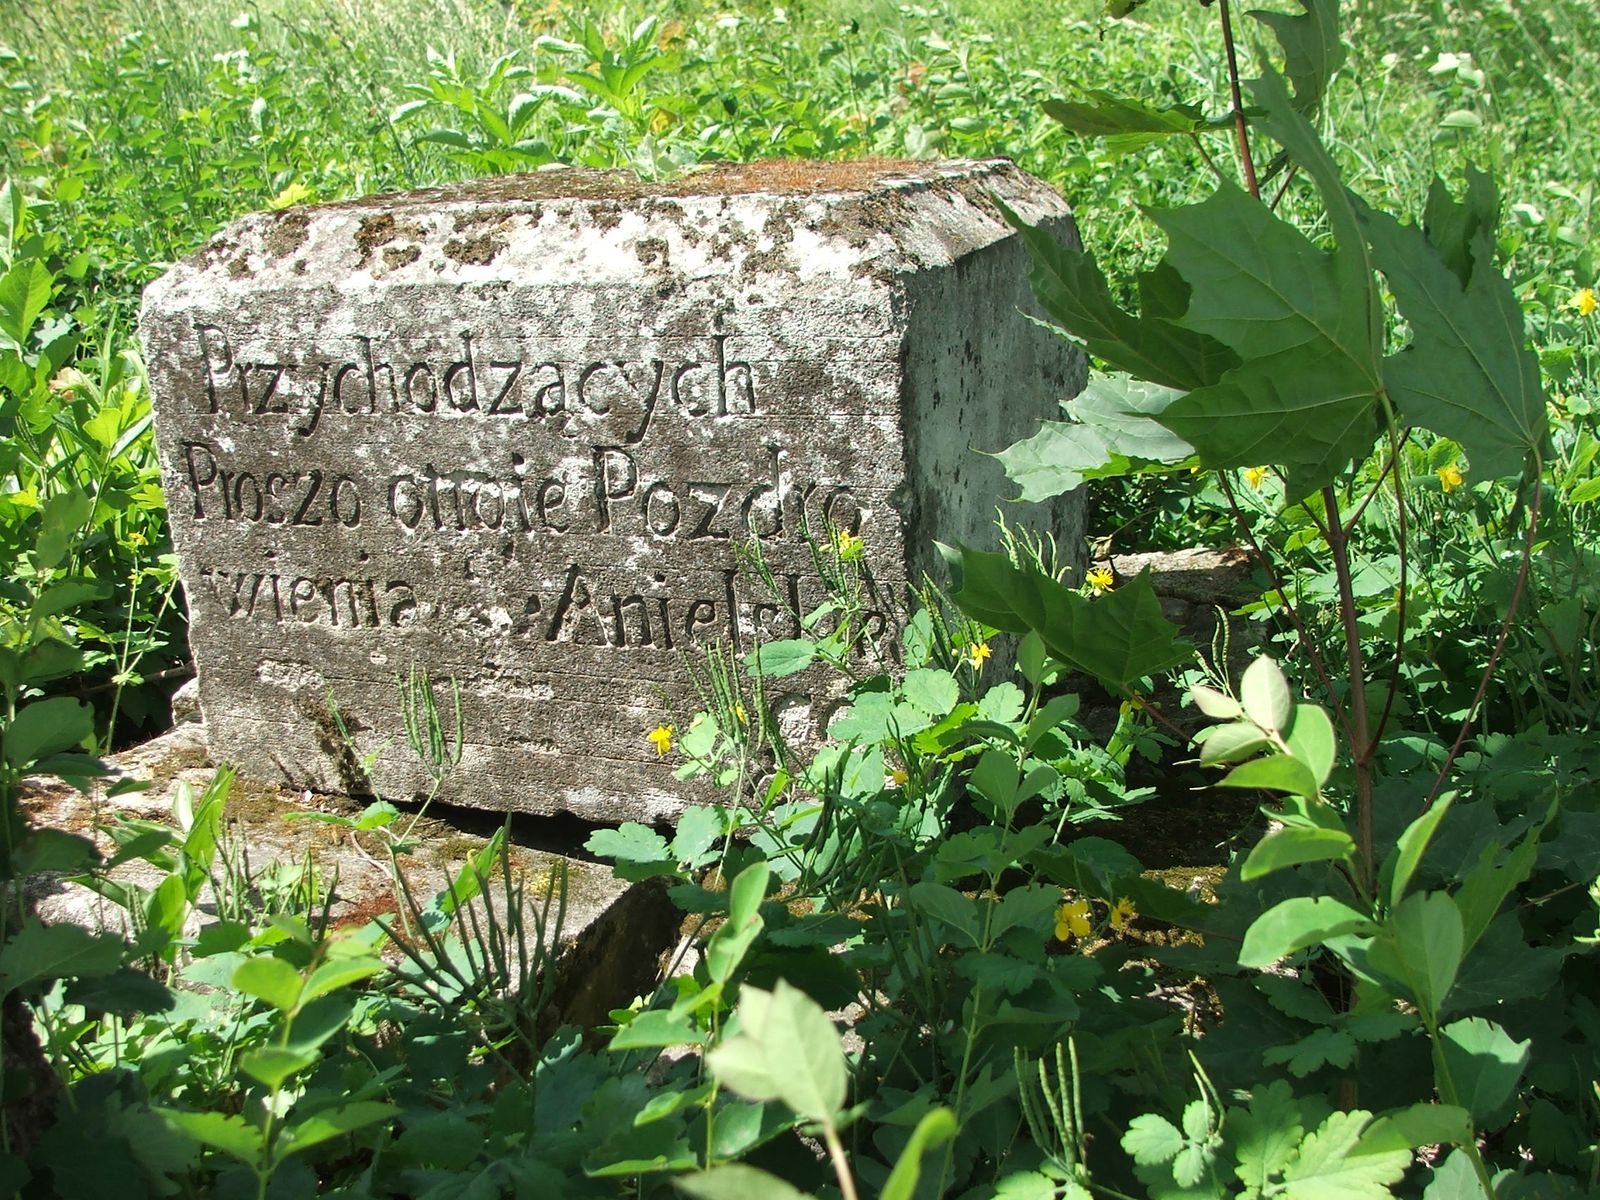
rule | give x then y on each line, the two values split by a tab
1390	992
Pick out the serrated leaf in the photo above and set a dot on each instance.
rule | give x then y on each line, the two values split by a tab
1468	374
24	292
630	842
38	952
1102	114
1118	638
949	906
1322	1047
931	691
1074	293
1266	1135
1312	47
1152	1140
788	1050
699	829
1330	1167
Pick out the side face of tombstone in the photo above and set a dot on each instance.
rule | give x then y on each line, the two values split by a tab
512	433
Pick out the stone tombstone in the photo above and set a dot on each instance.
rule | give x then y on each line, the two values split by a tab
514	432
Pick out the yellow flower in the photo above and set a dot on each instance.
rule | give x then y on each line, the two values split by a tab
1122	912
977	654
661	739
899	777
740	715
1584	301
1100	580
1072	920
846	545
1449	477
136	538
1253	476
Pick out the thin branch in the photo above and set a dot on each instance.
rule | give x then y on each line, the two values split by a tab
1499	647
1394	458
1206	155
1288	178
1241	126
1360	751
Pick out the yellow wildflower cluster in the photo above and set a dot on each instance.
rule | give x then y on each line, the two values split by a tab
661	738
1253	476
1584	301
1072	918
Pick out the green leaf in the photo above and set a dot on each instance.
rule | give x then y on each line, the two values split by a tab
1312	48
1220	744
59	525
47	727
1484	1065
1453	227
1102	114
271	979
1416	1126
931	691
735	1181
777	659
1420	946
1266	1135
339	973
1118	638
1468	374
1311	740
1309	412
1264	693
949	906
271	1065
1320	1048
1330	1165
1295	924
1151	1140
631	843
1075	294
935	1129
1398	868
1293	846
1454	1179
656	1027
38	953
1490	881
231	1134
24	292
1276	772
1115	432
787	1050
732	942
699	829
324	1126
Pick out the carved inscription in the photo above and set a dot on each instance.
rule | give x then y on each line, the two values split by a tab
594	469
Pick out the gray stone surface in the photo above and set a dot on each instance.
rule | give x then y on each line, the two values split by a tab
512	431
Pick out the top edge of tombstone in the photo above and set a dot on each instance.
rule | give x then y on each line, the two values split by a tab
877	214
776	177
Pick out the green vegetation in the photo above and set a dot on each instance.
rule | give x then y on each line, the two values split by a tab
1391	991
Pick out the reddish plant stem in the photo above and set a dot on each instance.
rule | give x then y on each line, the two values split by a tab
1360	738
1499	646
1246	163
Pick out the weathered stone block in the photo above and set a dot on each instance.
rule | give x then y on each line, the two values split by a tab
512	431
